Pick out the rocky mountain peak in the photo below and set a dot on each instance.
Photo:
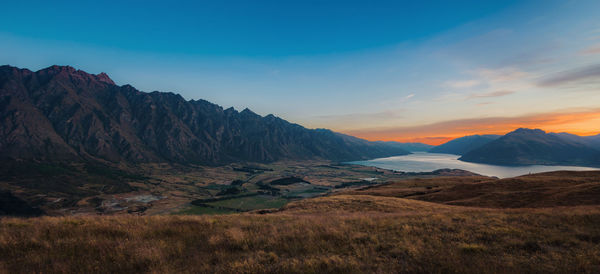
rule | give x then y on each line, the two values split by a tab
75	117
103	77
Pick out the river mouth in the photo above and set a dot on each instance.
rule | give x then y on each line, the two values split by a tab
427	162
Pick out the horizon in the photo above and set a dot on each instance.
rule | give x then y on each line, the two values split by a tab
394	72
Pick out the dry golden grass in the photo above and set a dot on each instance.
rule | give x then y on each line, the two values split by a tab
417	186
370	230
411	236
363	204
561	188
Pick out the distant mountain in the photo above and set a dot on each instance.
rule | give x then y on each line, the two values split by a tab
592	141
63	114
411	147
534	147
461	146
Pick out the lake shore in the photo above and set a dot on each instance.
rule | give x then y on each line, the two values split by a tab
427	162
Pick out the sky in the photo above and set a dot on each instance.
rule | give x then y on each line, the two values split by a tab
381	70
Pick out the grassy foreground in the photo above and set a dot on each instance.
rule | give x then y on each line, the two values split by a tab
363	234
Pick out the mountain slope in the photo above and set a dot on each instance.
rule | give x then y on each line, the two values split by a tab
411	147
63	114
534	147
460	146
592	141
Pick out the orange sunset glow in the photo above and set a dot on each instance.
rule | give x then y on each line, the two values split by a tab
583	123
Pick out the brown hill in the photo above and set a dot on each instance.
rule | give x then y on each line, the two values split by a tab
363	204
561	188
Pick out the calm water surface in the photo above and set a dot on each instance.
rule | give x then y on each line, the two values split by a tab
426	162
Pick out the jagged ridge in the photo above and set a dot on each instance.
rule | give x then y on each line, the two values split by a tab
63	114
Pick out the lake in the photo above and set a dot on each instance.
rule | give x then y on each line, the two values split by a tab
426	162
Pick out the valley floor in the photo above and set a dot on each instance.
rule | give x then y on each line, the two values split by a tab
159	188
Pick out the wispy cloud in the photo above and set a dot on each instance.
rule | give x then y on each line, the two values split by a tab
498	93
571	76
591	50
501	74
490	78
355	115
462	84
352	120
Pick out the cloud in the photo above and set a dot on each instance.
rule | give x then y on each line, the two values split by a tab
356	115
501	74
571	76
498	93
591	50
462	84
577	121
410	96
351	120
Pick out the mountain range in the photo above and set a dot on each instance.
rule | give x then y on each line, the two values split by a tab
591	141
462	145
65	115
410	147
60	114
536	147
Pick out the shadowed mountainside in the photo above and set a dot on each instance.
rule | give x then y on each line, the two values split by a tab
592	141
63	114
461	146
534	147
412	147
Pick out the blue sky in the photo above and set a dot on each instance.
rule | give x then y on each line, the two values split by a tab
381	70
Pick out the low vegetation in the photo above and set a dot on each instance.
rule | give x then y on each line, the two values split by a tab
392	235
364	230
560	188
92	189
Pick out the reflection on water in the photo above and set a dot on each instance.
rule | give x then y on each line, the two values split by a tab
426	162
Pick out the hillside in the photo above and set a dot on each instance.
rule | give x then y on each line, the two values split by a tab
550	189
591	141
534	147
461	146
63	114
411	147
